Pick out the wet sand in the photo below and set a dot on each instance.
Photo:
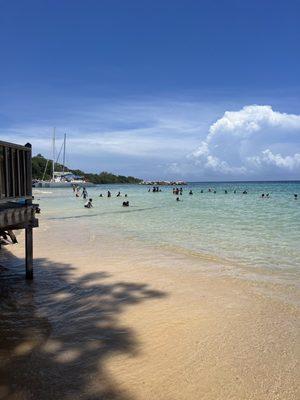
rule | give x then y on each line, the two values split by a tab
107	319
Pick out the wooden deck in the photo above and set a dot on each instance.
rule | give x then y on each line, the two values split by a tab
17	216
16	208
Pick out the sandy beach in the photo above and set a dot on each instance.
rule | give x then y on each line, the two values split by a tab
107	319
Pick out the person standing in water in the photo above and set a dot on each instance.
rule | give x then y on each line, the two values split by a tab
108	194
84	193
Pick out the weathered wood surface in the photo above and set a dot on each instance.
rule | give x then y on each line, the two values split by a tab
17	217
15	172
16	208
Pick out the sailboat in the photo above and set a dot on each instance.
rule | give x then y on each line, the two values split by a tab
62	178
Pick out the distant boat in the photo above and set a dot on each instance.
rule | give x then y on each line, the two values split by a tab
164	183
62	178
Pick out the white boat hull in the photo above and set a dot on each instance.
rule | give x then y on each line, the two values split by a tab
45	184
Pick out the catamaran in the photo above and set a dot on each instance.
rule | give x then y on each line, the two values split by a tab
62	178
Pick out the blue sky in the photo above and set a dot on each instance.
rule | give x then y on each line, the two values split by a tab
199	90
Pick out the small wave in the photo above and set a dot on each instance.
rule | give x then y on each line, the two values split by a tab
99	214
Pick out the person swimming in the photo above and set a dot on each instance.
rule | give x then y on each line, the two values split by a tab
125	204
119	194
263	195
125	194
100	195
245	192
177	199
234	191
215	191
295	196
201	191
191	192
225	191
89	204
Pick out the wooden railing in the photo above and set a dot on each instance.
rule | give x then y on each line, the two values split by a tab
15	172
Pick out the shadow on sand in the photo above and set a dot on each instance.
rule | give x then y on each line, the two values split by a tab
57	332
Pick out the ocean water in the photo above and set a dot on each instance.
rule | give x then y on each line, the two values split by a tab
243	230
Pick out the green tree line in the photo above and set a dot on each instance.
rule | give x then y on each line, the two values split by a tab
40	166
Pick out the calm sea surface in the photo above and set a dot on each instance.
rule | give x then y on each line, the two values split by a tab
237	228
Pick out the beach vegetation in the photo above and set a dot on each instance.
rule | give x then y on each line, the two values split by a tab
41	167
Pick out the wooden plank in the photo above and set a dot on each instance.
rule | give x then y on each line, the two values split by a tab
14	145
13	172
24	171
18	216
2	183
28	170
6	172
19	173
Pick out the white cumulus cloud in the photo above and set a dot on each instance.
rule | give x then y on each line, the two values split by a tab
267	157
253	139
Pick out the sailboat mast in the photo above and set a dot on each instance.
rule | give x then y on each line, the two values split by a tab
64	156
53	149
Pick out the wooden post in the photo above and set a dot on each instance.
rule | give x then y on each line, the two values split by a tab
29	253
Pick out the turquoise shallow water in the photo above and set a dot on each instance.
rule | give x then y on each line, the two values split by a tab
236	228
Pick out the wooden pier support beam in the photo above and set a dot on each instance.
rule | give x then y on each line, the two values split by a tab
29	252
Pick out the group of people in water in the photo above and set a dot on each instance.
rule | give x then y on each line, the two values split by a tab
89	203
177	191
154	189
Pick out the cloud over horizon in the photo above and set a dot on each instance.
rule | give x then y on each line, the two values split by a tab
250	141
170	139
